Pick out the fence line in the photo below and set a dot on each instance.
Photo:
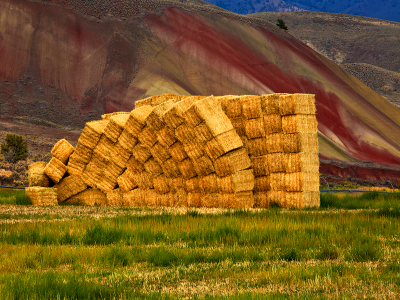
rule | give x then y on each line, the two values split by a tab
13	187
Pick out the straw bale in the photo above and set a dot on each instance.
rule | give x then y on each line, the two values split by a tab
92	174
270	103
36	176
300	181
177	151
173	117
42	195
115	127
206	108
257	147
238	182
194	200
165	200
194	150
141	153
112	170
209	183
88	197
171	168
153	167
222	144
119	155
210	200
231	106
91	133
160	153
160	99
302	162
302	199
62	150
100	161
238	125
55	170
176	184
262	184
297	104
277	198
143	102
193	185
132	198
134	165
137	119
218	124
276	163
191	117
108	116
203	166
144	180
261	200
179	199
254	128
185	133
154	121
203	133
260	165
251	107
166	137
126	181
237	200
127	140
83	152
69	187
161	184
104	147
151	198
107	184
187	168
114	198
277	181
300	142
232	162
272	123
299	123
147	137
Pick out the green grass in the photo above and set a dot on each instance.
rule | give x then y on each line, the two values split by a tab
370	200
15	197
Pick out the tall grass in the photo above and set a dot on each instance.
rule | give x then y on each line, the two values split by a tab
369	200
15	197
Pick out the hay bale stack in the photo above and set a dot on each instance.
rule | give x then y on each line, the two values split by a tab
126	181
62	150
69	187
91	133
36	175
55	170
42	195
76	165
115	126
90	196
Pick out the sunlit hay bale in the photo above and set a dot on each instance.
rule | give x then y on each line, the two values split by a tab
299	123
219	124
276	163
194	150
62	150
166	137
91	133
108	116
115	127
165	200
254	128
176	184
36	175
251	107
171	168
257	147
277	181
107	184
232	106
237	200
210	200
92	174
270	104
238	125
55	170
297	104
193	185
104	147
83	152
277	198
203	133
141	153
160	153
302	162
126	181
42	195
150	197
232	162
177	151
159	99
179	199
187	168
155	120
119	155
147	137
300	142
161	184
223	143
274	142
127	140
137	119
173	117
201	110
299	182
131	198
153	167
238	182
114	197
194	199
209	183
262	184
69	187
260	165
144	180
272	124
302	199
134	165
75	165
88	197
185	133
203	166
143	102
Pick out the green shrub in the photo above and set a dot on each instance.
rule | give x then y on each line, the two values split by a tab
281	24
15	148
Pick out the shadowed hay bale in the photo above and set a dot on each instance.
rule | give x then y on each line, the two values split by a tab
203	166
75	166
132	198
185	133
126	181
104	147
297	104
84	153
155	120
165	200
299	182
194	150
272	124
277	181
144	180
270	104
274	142
62	150
210	200
176	184
232	162
88	197
277	198
108	116
262	184
115	127
302	162
160	153
112	170
166	137
299	123
107	184
261	200
151	198
231	106
251	107
218	124
187	168
119	155
178	152
203	133
257	147
36	176
114	197
161	185
100	161
238	125
222	144
141	153
134	165
69	187
276	163
91	133
302	199
171	168
194	200
179	199
254	128
260	165
193	185
209	183
153	167
127	140
173	117
300	142
42	195
147	137
55	170
137	119
238	182
237	200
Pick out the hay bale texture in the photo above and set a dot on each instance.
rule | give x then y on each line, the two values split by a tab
193	151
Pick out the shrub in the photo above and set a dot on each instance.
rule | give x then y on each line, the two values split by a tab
15	148
281	24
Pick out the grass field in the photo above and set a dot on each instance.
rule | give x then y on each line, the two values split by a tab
348	248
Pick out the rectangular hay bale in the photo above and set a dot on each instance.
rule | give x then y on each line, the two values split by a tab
69	187
222	144
260	165
36	175
232	162
42	195
274	142
299	124
272	124
62	150
300	142
115	127
302	182
126	181
254	128
302	162
293	104
276	162
55	170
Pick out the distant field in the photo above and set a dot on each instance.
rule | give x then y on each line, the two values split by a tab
349	248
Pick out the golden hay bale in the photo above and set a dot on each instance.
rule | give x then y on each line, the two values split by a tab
114	198
108	116
112	170
185	133
147	137
179	199
137	119
62	150
257	147
254	128
232	162
153	167
132	198
203	166
42	195
91	133
93	174
143	102
193	185
84	153
260	165
127	140
302	199
203	133
261	200
126	181
177	151
144	180
270	103
69	187
277	181
134	165
238	182
187	168
166	137
194	150
171	168
55	170
299	123
141	153
274	142
276	163
300	142
173	117
222	144
210	200
104	147
218	124
302	162
165	200
151	198
297	104
206	108
115	127
194	200
272	124
88	197
251	107
299	182
262	184
155	119
237	200
209	183
277	198
107	184
160	99
232	106
238	125
119	155
161	184
160	153
36	176
176	184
